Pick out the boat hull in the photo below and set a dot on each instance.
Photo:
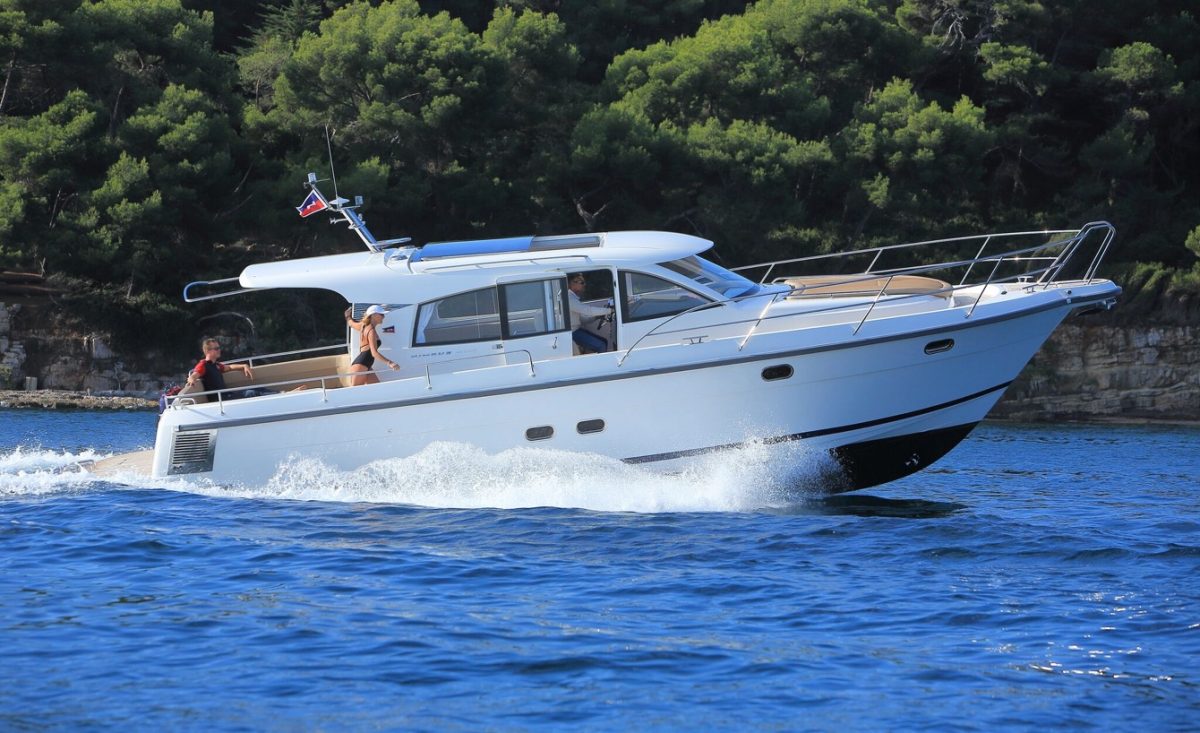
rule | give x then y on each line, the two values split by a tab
879	461
883	402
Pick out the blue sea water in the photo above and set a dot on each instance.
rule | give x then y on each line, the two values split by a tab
1037	577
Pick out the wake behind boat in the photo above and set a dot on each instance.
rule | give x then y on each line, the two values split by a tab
886	369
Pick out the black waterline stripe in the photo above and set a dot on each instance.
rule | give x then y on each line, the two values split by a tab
814	433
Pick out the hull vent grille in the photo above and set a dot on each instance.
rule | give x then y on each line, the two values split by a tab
193	452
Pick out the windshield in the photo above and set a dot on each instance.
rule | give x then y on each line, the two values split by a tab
700	270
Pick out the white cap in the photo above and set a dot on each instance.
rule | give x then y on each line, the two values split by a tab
375	309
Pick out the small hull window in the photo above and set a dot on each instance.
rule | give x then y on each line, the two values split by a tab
937	347
590	426
541	432
776	372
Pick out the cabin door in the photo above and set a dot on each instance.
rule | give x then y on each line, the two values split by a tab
535	319
593	291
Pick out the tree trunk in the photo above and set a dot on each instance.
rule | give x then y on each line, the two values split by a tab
112	122
12	63
589	217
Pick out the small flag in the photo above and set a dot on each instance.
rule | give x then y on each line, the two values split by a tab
311	205
389	329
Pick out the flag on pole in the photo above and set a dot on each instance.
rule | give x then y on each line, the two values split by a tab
312	204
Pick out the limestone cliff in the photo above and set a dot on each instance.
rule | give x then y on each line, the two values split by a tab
1088	371
37	341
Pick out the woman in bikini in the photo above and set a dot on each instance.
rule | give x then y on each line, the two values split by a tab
368	348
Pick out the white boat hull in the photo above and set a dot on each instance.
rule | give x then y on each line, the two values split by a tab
876	400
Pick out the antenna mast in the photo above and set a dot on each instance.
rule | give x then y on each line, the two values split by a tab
332	174
347	214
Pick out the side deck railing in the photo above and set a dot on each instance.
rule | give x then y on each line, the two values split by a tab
1067	247
1042	265
260	359
221	396
328	381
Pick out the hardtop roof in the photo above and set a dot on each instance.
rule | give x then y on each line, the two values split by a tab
412	275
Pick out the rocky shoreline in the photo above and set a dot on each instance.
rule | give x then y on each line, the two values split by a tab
57	399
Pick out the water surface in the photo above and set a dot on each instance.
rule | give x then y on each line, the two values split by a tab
1036	577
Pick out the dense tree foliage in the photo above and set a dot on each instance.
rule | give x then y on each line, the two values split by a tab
145	143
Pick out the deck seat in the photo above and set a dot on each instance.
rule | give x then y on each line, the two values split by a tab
293	374
190	390
864	285
296	373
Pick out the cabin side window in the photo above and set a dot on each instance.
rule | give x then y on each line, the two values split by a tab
516	310
645	296
470	316
533	308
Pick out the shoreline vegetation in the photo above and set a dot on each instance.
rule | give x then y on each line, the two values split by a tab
149	144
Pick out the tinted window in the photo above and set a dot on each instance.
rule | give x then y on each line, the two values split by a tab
646	296
727	283
529	308
534	307
475	303
469	316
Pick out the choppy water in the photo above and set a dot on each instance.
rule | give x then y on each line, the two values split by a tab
1036	577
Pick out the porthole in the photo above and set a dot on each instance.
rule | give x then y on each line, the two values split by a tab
779	371
937	347
539	433
590	426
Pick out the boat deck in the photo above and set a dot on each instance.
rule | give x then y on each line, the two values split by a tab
140	462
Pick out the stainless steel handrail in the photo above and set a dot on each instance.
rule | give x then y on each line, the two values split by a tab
906	245
1110	232
250	359
219	393
983	289
1045	277
977	256
196	299
762	314
1065	256
693	309
870	308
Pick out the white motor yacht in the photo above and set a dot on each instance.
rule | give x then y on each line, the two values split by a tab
884	358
